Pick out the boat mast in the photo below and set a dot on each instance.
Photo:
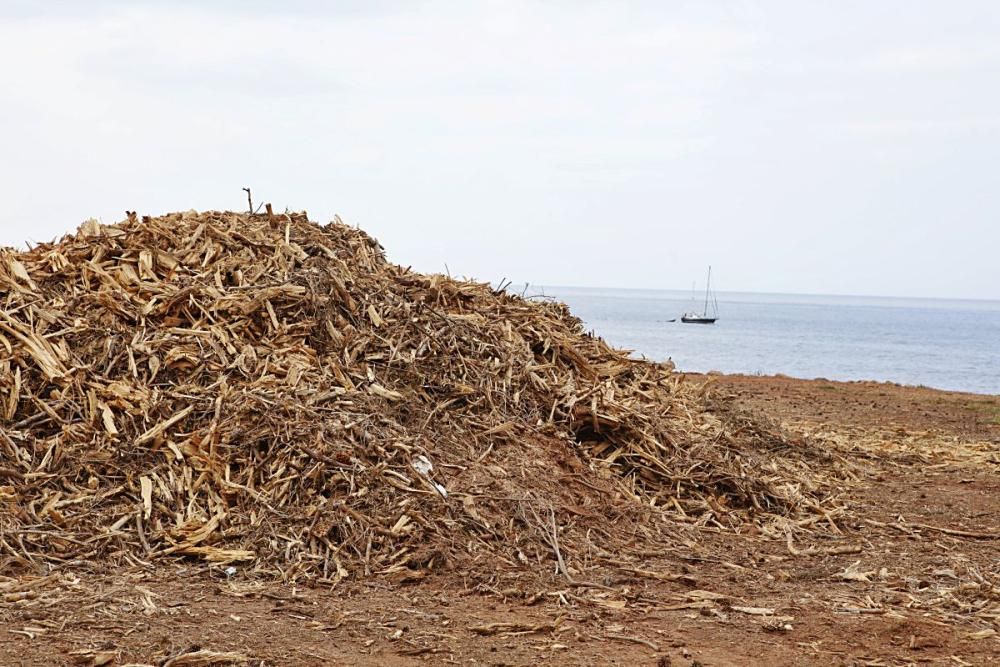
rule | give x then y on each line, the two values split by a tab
707	283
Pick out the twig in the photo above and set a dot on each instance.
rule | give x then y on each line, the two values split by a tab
514	628
141	532
629	638
555	545
947	531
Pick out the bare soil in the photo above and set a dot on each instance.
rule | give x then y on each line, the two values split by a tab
908	572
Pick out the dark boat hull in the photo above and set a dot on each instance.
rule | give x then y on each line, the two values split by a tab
698	320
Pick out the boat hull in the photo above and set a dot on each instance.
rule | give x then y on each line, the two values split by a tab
698	320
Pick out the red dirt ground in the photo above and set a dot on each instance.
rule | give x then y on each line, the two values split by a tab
907	573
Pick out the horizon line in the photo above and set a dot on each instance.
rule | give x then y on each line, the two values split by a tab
995	300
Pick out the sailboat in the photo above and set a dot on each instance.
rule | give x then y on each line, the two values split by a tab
703	317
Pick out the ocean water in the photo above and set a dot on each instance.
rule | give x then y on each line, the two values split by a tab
946	344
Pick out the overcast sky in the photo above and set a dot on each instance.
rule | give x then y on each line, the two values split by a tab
811	147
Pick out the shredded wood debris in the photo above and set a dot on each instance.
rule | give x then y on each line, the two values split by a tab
263	391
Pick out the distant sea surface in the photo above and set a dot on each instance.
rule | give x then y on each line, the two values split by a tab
946	344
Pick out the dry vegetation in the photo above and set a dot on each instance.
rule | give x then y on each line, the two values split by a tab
264	390
220	392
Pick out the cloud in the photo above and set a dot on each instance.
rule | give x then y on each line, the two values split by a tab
561	142
937	59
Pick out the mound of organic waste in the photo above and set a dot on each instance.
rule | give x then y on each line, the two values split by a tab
263	390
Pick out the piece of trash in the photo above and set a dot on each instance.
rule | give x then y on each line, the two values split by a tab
230	571
422	465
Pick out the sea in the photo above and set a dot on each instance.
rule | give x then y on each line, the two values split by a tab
940	343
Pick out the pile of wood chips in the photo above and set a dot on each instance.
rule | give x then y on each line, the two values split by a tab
266	391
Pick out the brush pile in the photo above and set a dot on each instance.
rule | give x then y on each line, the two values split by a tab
262	390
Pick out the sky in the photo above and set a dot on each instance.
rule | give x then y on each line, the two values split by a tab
801	147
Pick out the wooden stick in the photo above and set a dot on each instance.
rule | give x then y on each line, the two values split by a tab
555	545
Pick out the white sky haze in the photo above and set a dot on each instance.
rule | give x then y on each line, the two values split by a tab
814	147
